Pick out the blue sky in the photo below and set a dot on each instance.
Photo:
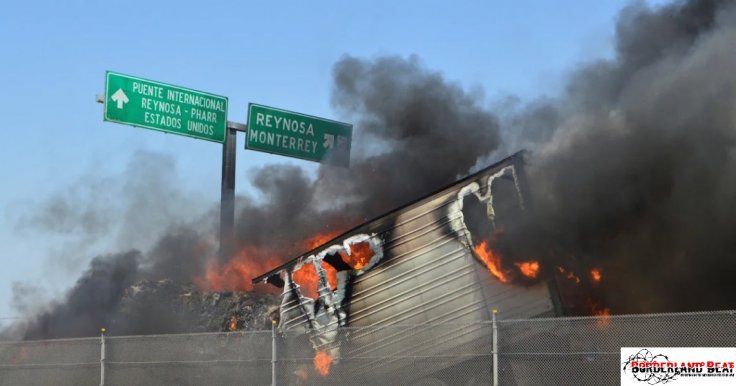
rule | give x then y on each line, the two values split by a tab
277	53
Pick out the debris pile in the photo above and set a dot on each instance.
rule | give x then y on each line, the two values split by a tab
184	308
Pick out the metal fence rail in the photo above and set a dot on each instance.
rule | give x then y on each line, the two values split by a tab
549	351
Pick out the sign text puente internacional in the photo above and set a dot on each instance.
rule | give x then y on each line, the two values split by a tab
164	107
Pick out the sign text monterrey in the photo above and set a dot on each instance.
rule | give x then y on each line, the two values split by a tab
298	135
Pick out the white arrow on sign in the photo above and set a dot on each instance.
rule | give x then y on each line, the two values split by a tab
120	98
329	141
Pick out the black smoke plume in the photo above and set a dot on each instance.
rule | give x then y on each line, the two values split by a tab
637	178
92	302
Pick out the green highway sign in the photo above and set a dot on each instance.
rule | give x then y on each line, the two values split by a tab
164	107
298	135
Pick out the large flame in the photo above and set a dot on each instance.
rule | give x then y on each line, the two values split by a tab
319	239
235	275
360	255
492	261
529	269
308	280
322	363
306	276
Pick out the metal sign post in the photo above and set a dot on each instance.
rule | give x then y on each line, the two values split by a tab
227	194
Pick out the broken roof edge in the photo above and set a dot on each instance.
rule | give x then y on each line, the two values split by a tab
512	159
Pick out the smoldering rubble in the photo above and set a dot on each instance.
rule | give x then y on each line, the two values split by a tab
113	293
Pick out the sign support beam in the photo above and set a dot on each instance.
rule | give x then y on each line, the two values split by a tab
227	193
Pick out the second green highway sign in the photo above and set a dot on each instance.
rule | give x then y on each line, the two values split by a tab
298	135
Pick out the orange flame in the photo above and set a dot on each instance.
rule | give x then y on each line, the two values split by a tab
306	276
529	269
492	261
232	325
308	280
322	363
361	254
234	275
569	275
595	275
319	239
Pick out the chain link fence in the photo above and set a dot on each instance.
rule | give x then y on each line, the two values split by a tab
586	350
57	362
548	351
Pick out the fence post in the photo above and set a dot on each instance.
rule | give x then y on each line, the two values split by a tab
273	353
495	348
102	356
